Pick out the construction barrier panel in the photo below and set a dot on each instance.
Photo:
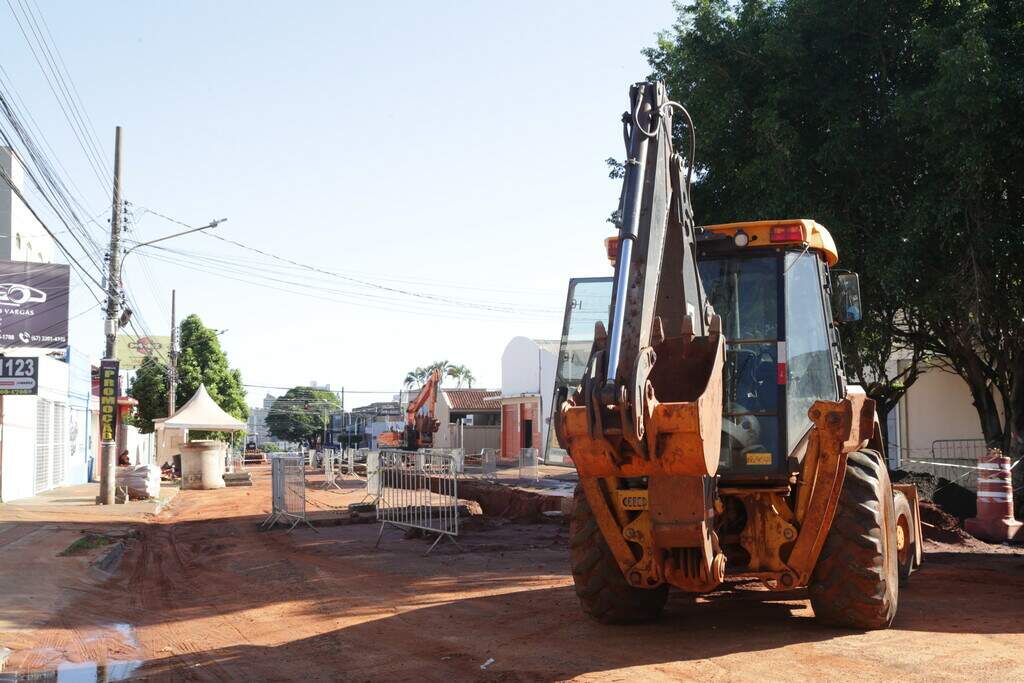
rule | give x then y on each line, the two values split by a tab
485	463
372	477
347	462
406	500
332	469
287	491
952	459
528	464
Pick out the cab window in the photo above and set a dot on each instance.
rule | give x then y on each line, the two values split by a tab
810	375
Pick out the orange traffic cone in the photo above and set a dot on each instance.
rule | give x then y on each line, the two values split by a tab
994	521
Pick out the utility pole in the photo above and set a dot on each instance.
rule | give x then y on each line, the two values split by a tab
172	365
107	448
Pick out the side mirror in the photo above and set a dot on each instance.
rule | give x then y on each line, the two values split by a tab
846	304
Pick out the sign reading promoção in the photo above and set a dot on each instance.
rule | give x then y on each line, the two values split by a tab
108	399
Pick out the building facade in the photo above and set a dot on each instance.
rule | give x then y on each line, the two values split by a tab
469	419
49	439
256	425
527	387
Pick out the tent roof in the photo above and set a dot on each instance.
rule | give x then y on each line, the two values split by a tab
200	412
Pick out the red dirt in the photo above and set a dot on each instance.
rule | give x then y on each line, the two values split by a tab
208	597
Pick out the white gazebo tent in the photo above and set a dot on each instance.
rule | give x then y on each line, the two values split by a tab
200	413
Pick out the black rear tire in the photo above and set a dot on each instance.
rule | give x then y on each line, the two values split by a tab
601	588
855	583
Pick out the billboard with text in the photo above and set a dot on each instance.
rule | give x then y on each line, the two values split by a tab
33	304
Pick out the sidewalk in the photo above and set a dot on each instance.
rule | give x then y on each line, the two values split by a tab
80	500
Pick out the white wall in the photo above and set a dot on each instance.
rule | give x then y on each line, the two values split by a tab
22	238
528	369
937	406
19	430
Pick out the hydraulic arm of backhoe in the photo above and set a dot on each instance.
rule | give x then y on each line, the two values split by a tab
650	404
652	383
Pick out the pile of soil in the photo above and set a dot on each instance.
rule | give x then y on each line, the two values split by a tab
953	498
944	506
938	525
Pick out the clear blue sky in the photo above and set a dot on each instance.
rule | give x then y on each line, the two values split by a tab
447	149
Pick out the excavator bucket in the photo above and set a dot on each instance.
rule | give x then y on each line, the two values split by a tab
651	400
682	406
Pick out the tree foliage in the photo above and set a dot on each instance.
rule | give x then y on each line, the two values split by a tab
302	414
897	125
149	388
460	373
201	361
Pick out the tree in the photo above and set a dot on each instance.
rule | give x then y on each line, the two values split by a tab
896	125
302	414
201	361
149	388
415	378
418	377
460	373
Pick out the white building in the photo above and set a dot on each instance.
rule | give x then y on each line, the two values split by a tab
22	238
45	440
257	423
527	389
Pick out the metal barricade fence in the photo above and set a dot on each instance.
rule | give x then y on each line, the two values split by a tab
457	454
418	491
332	467
489	463
528	465
347	462
236	462
372	478
952	459
288	491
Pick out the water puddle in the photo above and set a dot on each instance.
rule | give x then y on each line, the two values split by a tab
83	672
79	672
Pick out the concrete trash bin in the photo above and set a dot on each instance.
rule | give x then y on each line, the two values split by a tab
202	465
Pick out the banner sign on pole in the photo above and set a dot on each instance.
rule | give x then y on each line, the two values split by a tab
108	399
132	350
19	376
34	304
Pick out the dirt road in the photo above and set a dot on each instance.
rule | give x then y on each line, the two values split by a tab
201	595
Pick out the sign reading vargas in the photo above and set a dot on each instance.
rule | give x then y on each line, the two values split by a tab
108	399
132	350
19	376
33	304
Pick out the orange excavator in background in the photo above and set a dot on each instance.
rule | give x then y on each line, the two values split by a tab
419	427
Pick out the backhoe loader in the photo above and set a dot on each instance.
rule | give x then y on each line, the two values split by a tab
714	432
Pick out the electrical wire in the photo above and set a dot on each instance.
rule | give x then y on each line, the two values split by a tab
357	299
89	154
462	303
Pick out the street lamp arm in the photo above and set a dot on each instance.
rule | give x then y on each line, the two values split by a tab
211	224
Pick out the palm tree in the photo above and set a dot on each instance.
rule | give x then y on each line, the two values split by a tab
461	374
416	378
443	366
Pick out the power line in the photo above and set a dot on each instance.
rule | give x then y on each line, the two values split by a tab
73	262
57	191
462	303
96	167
